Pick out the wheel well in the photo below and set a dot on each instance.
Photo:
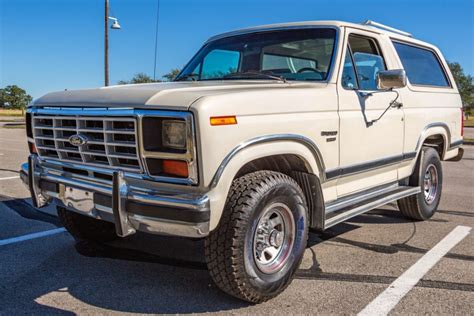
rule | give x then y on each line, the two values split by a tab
281	163
296	168
437	142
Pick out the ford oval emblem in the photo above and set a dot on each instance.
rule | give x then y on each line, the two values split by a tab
78	140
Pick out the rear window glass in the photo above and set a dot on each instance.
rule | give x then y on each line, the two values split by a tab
421	65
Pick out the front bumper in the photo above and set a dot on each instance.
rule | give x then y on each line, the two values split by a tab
131	207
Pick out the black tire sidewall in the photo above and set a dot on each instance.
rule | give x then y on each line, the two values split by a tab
289	195
430	157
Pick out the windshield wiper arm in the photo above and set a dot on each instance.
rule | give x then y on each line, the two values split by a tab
255	73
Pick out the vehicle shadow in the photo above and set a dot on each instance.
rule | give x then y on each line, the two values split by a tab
387	216
114	278
142	273
10	170
139	274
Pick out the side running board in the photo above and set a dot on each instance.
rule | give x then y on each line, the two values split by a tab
341	212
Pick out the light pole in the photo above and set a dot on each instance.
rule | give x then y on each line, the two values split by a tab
115	26
156	37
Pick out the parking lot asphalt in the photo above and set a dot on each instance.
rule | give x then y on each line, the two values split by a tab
344	269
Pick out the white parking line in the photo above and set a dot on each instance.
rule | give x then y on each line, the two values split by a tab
31	236
389	298
9	178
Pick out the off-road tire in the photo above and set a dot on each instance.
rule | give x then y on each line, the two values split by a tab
229	248
82	227
415	207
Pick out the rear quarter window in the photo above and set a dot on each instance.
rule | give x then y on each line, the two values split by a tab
421	65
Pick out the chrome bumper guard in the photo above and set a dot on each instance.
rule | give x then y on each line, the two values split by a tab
131	209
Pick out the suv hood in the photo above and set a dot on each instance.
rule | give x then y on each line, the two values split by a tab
174	95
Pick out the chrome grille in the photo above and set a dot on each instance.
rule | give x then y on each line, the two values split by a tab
111	141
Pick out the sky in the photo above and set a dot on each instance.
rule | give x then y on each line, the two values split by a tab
51	45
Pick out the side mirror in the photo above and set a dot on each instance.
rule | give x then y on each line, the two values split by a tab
391	79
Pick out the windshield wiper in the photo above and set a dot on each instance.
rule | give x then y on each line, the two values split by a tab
187	76
254	73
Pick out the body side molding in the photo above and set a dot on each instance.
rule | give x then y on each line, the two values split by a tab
367	166
334	173
456	144
379	163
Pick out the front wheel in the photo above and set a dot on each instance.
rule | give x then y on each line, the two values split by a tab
260	241
428	175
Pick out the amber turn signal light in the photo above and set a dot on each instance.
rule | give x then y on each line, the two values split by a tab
176	168
223	120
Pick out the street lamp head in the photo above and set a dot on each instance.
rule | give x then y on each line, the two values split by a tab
115	25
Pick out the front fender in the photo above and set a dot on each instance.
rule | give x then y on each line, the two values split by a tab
252	150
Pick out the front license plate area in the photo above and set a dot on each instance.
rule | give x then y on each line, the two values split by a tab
79	199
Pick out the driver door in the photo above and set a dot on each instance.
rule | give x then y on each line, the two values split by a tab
369	153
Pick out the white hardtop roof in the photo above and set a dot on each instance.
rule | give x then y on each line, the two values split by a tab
363	26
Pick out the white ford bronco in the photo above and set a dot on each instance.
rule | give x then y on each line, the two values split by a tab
266	133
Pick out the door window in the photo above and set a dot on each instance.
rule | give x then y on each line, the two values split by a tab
363	61
368	66
349	79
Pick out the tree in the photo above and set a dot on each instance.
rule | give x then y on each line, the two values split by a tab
465	84
144	78
172	74
14	97
139	78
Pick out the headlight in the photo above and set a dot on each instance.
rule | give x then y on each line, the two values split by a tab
167	147
174	134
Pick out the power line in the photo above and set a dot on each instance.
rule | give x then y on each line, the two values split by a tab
156	37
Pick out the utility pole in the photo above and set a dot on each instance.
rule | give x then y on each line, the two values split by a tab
106	44
156	37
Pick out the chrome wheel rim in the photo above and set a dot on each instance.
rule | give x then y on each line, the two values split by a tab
273	238
430	184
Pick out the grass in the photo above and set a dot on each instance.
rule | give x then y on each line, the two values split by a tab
10	112
469	122
468	140
12	119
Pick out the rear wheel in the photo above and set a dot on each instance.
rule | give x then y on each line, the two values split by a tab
260	241
428	175
83	227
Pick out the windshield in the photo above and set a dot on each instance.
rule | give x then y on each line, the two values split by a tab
299	54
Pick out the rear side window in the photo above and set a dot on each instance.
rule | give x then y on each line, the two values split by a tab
421	65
